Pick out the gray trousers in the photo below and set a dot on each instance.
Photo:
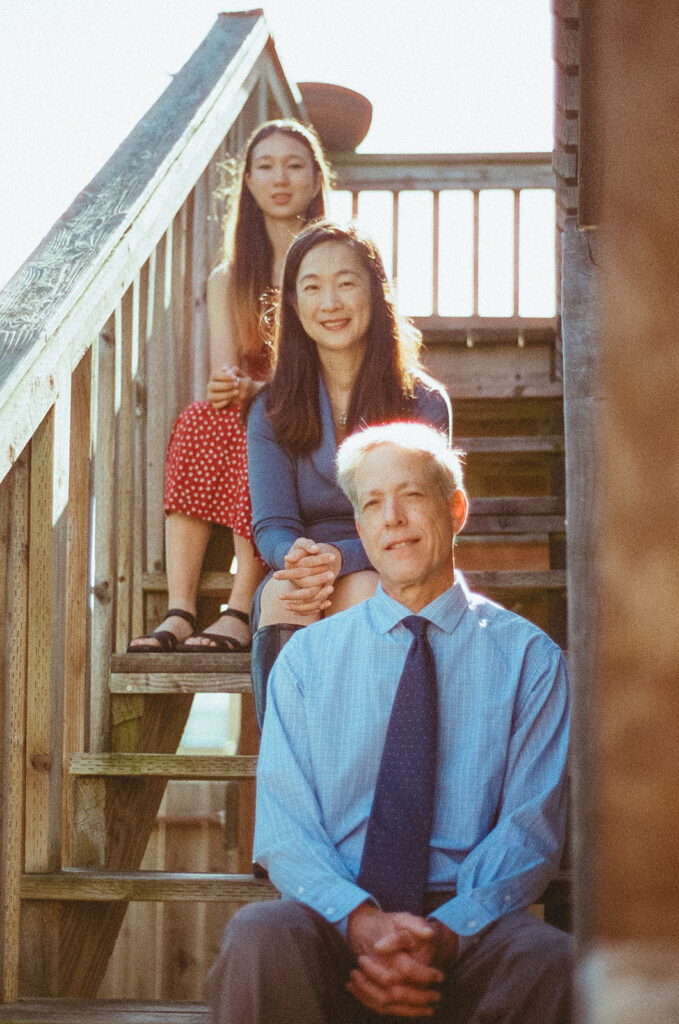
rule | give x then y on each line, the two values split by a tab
282	963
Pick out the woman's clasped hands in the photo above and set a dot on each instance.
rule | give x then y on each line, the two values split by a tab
229	385
311	569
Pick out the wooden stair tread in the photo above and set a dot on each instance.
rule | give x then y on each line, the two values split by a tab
231	665
548	579
212	584
520	444
171	766
102	1011
510	505
103	884
180	673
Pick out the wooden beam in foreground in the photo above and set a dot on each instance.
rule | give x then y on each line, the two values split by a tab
633	970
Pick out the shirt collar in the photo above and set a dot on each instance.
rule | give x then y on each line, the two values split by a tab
445	611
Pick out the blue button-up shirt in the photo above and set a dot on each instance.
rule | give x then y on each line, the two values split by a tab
503	734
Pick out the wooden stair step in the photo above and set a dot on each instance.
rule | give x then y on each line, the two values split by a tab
180	673
171	766
102	1011
510	580
522	444
100	884
515	515
212	584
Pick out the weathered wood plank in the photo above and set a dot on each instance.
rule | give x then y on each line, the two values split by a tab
105	886
185	682
76	669
582	394
156	427
103	534
435	171
14	508
174	766
538	443
511	524
199	275
210	663
554	579
67	289
486	372
212	584
103	1011
41	852
124	464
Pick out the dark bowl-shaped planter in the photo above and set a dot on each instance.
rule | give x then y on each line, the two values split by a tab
340	116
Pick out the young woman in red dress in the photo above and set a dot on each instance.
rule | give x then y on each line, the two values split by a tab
282	183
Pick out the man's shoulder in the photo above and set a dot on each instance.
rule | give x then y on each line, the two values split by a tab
503	627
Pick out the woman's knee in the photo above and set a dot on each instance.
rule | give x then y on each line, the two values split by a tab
352	589
272	609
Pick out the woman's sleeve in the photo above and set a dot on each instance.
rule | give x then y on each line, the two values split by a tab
434	406
276	515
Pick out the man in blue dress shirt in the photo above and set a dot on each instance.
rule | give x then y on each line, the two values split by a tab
328	953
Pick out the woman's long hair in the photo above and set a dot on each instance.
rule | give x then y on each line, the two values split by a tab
385	383
247	248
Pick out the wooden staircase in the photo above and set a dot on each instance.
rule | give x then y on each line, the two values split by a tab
110	308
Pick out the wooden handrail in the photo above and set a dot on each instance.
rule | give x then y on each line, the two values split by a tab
53	307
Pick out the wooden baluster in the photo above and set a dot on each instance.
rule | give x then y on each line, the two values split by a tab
14	522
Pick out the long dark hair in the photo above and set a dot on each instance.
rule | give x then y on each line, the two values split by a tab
384	385
247	248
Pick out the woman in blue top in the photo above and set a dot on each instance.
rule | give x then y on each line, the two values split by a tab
343	358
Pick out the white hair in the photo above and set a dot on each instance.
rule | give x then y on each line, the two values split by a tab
418	438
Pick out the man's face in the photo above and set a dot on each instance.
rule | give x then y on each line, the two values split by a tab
406	525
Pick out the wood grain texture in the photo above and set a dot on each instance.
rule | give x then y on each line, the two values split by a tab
14	507
103	1011
180	682
174	766
582	397
103	532
76	668
128	340
637	709
67	289
105	886
41	853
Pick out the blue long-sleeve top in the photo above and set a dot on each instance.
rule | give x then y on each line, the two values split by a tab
296	495
500	797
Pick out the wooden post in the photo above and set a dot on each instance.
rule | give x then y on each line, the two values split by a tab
103	536
76	669
632	973
124	465
581	395
14	499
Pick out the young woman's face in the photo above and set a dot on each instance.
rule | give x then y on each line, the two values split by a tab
333	298
282	178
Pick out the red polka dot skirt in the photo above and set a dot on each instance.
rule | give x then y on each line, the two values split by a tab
206	468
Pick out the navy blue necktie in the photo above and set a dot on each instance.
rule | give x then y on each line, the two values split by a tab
395	858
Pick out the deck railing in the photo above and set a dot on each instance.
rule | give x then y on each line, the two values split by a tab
102	342
469	239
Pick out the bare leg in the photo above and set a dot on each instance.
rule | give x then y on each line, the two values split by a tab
353	589
185	544
248	577
273	610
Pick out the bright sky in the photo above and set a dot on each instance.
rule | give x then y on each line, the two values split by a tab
76	76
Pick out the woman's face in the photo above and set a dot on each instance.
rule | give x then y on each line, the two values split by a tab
333	298
282	178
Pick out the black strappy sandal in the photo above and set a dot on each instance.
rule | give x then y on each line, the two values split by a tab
220	644
167	641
